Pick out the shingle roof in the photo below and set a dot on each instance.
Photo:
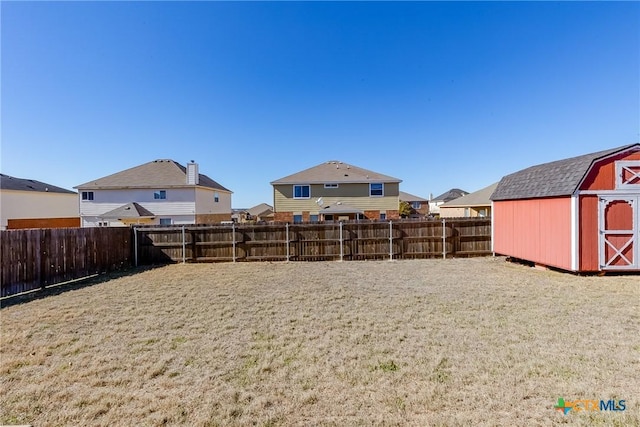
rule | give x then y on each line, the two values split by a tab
481	197
339	207
406	197
452	194
20	184
260	209
334	171
130	210
559	178
158	173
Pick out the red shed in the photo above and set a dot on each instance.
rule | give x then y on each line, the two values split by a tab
578	214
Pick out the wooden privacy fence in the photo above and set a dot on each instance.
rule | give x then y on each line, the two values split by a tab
35	258
313	242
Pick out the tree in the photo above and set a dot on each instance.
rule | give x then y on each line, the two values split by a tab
404	209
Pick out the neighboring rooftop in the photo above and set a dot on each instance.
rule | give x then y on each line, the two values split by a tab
260	209
158	173
559	178
452	194
128	211
481	197
406	197
334	172
8	182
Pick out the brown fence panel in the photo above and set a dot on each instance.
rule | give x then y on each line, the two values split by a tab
35	258
360	240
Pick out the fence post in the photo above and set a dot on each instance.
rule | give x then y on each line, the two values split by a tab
341	243
135	246
184	249
390	240
444	238
233	241
287	237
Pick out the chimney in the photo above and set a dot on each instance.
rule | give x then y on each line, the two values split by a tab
193	178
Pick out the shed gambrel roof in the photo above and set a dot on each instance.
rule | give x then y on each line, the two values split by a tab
8	182
554	179
334	172
164	173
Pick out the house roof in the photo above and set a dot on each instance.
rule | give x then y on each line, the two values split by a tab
260	209
406	197
8	182
128	211
163	173
452	194
334	172
559	178
481	197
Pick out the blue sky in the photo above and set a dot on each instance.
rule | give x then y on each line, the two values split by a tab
438	94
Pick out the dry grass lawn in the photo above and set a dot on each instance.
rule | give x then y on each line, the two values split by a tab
456	342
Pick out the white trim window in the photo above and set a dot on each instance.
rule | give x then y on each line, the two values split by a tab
165	221
628	174
87	195
216	197
302	191
376	189
160	195
416	205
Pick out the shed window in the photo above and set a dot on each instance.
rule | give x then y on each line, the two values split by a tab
628	174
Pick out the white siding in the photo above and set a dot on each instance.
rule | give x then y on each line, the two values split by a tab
31	204
206	205
179	205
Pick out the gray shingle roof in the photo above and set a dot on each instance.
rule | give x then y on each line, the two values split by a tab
452	194
334	171
20	184
559	178
477	198
260	209
130	210
406	197
156	174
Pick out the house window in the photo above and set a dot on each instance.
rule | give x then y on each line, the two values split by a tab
313	218
301	191
467	212
165	221
331	186
87	195
416	205
297	219
383	216
482	213
160	195
216	197
103	223
376	189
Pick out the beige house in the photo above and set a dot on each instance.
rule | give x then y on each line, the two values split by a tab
260	213
447	196
27	203
160	192
334	191
477	204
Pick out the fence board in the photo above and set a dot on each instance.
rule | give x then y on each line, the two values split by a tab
35	258
316	242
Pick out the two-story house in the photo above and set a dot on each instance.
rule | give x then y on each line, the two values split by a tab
27	203
335	191
159	192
